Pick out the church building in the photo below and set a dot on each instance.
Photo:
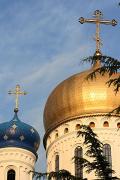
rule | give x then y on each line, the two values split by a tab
74	102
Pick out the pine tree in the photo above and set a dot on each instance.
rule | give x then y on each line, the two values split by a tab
94	150
60	175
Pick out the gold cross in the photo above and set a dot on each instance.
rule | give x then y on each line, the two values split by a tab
17	92
98	20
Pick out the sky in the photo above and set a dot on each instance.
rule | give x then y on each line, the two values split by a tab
41	44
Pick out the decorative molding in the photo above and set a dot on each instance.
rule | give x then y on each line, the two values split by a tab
17	155
72	125
73	119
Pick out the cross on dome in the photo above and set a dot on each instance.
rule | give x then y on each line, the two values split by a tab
17	92
98	20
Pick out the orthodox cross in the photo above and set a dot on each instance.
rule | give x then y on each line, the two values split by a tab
98	20
17	92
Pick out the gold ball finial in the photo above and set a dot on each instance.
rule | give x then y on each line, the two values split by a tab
114	22
98	54
81	20
98	13
16	110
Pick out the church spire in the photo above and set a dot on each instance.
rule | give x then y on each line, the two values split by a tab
98	20
17	92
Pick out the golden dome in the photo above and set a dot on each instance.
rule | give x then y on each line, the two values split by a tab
76	97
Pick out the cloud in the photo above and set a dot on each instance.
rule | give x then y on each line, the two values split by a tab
50	69
41	44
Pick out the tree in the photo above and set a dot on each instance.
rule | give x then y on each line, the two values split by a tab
60	175
94	150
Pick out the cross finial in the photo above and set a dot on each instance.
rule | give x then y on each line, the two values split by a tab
17	92
98	20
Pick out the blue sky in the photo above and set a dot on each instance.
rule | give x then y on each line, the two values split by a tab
41	44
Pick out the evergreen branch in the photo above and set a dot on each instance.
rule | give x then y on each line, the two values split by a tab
106	61
116	111
95	150
115	82
61	174
108	65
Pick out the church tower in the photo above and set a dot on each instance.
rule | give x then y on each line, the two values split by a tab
19	143
74	102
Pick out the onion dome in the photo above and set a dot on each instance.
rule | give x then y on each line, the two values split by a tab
77	97
16	133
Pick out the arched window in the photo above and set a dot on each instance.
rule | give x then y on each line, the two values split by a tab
106	124
78	167
118	125
56	135
77	126
11	175
65	130
92	124
107	154
57	163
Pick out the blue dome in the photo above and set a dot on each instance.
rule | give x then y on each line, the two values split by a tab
16	133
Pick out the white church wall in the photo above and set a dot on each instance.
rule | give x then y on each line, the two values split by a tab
65	143
20	160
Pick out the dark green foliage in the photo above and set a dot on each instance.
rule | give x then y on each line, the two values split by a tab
94	150
115	82
115	111
108	65
60	175
98	163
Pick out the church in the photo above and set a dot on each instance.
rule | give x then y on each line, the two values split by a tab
74	102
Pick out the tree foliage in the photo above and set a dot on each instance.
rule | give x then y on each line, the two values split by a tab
97	163
94	150
60	175
109	65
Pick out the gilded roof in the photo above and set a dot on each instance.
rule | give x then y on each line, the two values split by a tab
77	96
